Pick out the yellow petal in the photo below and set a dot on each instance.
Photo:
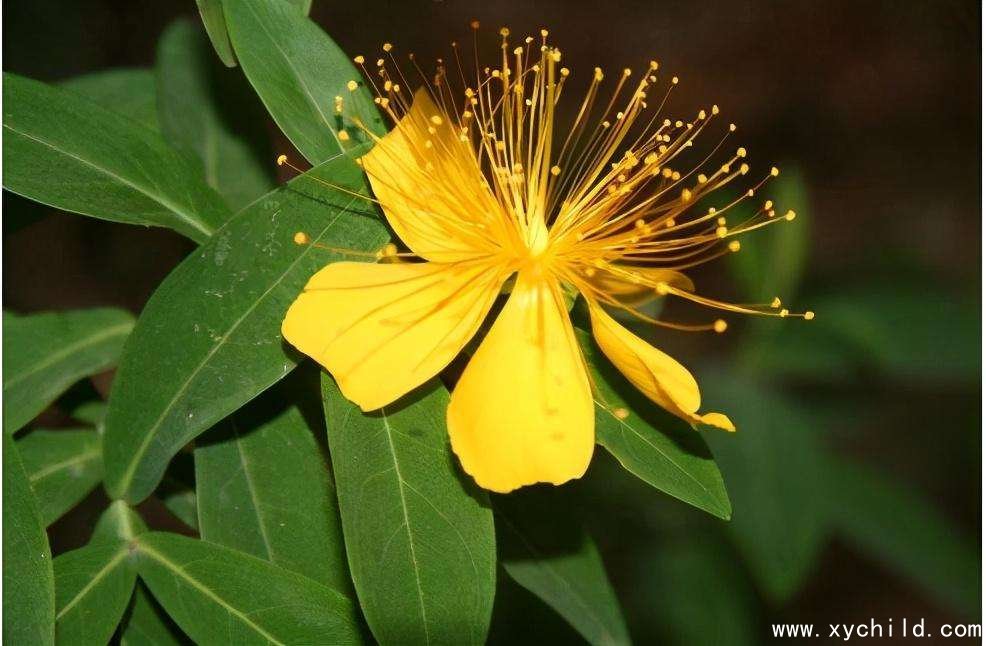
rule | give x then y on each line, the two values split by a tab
522	411
661	378
382	330
629	292
430	186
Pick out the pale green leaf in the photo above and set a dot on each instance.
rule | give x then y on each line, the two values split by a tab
211	333
215	25
66	151
127	91
92	589
118	523
44	354
28	587
221	596
62	466
419	533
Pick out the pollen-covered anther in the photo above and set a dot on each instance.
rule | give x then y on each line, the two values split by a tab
741	152
809	315
720	326
301	238
784	312
775	303
734	245
343	135
282	159
352	85
556	171
674	80
769	204
387	47
790	215
775	171
744	169
621	413
686	196
721	232
662	288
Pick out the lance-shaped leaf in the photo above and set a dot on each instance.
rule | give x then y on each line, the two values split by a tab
215	25
419	534
212	113
119	523
551	555
92	589
773	468
44	354
28	588
127	90
898	527
63	467
650	443
147	624
298	72
221	596
210	336
66	151
264	488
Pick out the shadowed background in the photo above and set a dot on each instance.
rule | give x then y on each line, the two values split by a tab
874	109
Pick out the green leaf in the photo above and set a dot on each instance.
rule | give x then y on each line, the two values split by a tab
265	488
118	523
215	26
28	582
419	534
211	112
551	555
773	470
298	71
62	466
211	333
66	151
92	412
180	500
127	91
92	589
44	354
673	459
221	596
147	624
772	261
900	528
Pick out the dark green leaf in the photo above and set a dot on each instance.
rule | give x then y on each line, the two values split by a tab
44	354
62	466
264	488
215	25
210	335
550	554
118	523
298	71
147	624
773	469
28	587
419	534
673	459
220	596
180	500
128	91
211	112
92	412
92	588
898	527
66	151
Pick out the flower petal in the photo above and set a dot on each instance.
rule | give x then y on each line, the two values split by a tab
430	186
382	330
661	378
522	411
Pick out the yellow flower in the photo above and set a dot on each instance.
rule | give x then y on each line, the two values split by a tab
484	186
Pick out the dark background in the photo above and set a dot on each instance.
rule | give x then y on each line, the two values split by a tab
876	104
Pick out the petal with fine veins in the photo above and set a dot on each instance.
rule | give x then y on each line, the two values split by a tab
382	330
522	411
661	378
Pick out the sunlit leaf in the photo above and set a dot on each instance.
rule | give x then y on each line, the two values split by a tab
298	72
28	588
210	335
547	552
62	466
44	354
66	151
264	488
128	91
92	589
212	113
118	523
419	534
221	596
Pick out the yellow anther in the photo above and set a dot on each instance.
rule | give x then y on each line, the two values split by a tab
437	120
722	232
662	288
790	215
715	109
784	312
597	74
686	195
775	303
281	159
744	169
650	159
734	245
352	85
674	80
343	135
301	238
621	413
556	170
654	65
544	33
701	114
380	62
732	127
741	152
721	221
775	171
589	272
359	60
504	32
769	204
702	179
474	24
389	250
720	326
564	71
627	71
809	315
387	47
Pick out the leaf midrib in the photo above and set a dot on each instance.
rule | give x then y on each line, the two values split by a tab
103	572
188	218
51	469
